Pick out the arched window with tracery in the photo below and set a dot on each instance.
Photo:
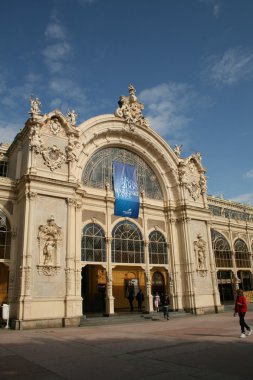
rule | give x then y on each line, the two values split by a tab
222	251
93	243
242	258
5	237
127	243
98	171
157	248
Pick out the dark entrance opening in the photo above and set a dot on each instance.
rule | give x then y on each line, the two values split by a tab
158	285
225	285
93	290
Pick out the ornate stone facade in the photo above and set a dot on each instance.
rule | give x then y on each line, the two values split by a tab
186	244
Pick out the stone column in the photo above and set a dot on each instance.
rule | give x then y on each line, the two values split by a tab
173	279
27	260
148	297
70	260
109	295
235	281
189	265
216	294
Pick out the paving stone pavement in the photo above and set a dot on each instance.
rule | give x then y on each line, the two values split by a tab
197	347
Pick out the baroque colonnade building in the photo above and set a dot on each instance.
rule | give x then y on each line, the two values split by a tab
64	252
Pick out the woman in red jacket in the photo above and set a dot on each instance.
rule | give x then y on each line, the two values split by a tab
241	308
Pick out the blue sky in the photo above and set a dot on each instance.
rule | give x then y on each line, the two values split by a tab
191	62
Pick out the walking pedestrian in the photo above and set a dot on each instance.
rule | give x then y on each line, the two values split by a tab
241	309
166	307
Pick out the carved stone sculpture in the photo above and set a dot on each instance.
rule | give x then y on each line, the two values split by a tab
200	253
54	157
35	139
73	148
71	117
49	237
178	149
35	106
130	109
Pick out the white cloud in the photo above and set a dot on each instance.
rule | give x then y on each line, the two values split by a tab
228	69
215	6
66	90
248	174
167	108
55	30
56	55
57	52
243	198
8	130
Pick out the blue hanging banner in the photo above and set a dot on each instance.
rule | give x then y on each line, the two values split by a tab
126	190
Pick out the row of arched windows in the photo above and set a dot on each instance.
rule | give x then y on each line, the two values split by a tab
127	244
223	252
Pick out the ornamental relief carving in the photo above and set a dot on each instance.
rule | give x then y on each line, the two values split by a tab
130	109
53	157
73	148
190	177
49	238
55	126
35	141
199	247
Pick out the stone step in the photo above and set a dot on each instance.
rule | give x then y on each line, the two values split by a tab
98	320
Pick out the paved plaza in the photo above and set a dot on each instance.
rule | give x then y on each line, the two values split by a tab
192	347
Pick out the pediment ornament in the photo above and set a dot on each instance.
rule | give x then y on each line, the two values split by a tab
130	109
54	157
55	126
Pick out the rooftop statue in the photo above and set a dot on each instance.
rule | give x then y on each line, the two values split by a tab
71	117
35	106
130	109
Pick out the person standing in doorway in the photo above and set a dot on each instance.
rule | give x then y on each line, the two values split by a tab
140	299
156	302
131	298
241	309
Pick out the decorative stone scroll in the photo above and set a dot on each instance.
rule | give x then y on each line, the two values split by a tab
53	157
130	109
200	254
49	237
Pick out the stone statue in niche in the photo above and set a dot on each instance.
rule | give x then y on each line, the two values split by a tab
49	237
49	252
200	253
